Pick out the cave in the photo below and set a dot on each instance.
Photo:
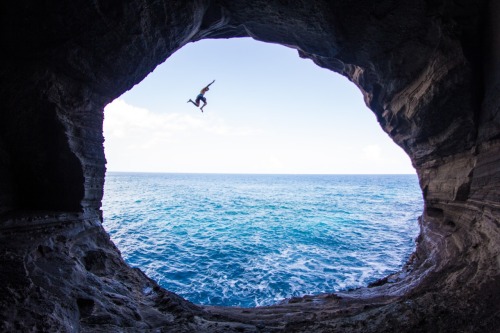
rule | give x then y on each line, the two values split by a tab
428	69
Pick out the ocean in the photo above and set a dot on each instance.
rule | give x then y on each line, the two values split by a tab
253	240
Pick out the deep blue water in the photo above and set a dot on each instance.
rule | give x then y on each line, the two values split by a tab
250	240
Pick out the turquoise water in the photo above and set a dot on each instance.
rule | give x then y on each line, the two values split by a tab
251	240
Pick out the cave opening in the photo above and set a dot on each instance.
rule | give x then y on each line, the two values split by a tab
272	119
418	64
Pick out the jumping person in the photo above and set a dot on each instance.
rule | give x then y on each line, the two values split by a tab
201	97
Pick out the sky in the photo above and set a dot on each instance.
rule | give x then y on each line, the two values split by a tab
269	111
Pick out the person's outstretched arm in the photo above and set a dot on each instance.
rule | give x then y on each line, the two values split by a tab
210	84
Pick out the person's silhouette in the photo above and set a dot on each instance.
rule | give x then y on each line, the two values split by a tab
201	97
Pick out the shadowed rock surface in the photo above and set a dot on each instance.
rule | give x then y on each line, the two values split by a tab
428	69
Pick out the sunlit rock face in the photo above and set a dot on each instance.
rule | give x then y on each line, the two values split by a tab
429	70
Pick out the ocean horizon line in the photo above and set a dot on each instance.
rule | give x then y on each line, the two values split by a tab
260	173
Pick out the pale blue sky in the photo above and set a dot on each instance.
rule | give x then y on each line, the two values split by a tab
269	111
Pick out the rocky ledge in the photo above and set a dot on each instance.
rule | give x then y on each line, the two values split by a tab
429	70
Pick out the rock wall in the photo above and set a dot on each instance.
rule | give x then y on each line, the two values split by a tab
429	70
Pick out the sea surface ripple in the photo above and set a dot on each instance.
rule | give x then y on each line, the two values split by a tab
253	240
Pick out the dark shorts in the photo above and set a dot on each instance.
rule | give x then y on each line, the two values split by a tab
200	97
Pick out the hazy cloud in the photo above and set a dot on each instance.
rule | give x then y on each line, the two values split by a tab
122	119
